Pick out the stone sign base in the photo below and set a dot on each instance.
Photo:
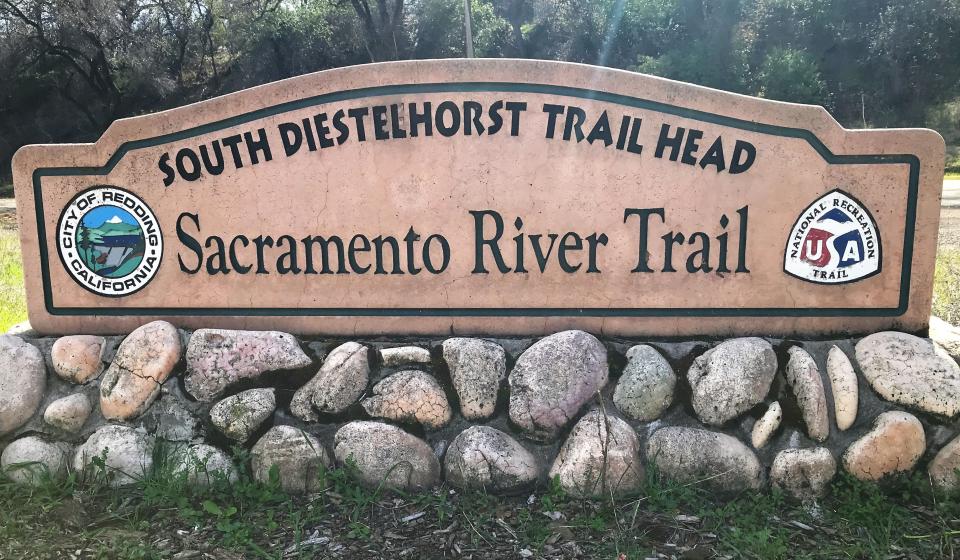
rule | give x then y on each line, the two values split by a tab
504	415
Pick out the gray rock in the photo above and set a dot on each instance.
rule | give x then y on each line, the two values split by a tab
240	415
484	458
341	380
31	460
477	367
203	465
23	379
843	382
386	455
943	467
410	396
404	356
78	358
645	390
766	425
911	371
128	454
23	329
804	379
947	336
144	360
719	462
804	474
169	419
298	456
218	358
600	458
894	445
731	378
68	413
553	379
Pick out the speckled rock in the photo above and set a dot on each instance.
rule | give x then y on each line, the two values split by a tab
843	382
78	358
31	460
804	379
484	458
240	415
144	360
68	413
23	379
766	425
943	468
601	457
731	378
912	371
404	356
946	335
170	419
203	465
804	474
218	358
410	396
719	462
387	455
341	380
645	390
298	456
477	367
128	452
894	445
553	379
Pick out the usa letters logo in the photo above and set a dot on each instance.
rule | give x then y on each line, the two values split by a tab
834	241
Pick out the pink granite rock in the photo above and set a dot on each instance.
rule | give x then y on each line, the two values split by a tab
144	361
410	396
78	358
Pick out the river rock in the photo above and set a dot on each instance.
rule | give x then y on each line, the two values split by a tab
719	462
766	425
843	382
341	380
32	460
298	456
731	378
68	413
601	457
78	358
947	336
404	356
203	464
645	390
128	454
144	360
804	474
943	467
553	379
911	371
477	367
804	379
386	455
23	379
410	396
484	458
240	415
218	358
894	445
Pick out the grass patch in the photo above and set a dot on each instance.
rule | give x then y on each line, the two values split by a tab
946	285
13	298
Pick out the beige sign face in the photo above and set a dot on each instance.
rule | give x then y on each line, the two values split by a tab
486	197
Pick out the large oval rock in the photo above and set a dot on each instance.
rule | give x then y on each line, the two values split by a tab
553	379
912	371
943	468
144	360
341	380
600	458
218	358
298	457
202	465
731	378
804	474
386	455
23	379
68	413
804	379
31	460
720	462
238	416
645	389
484	458
894	445
410	396
127	454
843	382
78	358
477	367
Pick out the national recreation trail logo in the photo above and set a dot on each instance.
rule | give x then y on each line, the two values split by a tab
834	241
109	241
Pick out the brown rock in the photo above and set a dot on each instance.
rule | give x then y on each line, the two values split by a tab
894	445
78	358
144	361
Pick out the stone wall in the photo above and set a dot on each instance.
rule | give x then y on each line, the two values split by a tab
505	415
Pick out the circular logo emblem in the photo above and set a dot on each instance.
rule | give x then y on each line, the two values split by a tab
109	241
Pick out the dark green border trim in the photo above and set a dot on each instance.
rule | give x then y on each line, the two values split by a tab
492	87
